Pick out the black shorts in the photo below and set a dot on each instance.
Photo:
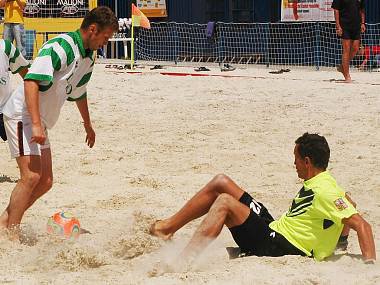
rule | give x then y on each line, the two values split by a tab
255	237
350	33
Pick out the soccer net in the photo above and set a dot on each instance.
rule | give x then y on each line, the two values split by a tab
312	44
175	41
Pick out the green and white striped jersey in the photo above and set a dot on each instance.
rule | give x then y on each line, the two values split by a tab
10	59
62	68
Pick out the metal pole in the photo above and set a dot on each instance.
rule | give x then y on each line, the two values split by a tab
132	44
116	43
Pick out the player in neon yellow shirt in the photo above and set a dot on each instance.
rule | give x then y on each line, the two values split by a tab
318	215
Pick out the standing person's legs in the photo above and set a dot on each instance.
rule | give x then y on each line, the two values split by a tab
346	55
30	173
19	34
8	32
46	180
354	48
35	166
197	206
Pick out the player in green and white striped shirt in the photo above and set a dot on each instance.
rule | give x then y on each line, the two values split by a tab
59	73
10	59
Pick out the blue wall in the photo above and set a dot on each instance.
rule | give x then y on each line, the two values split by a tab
194	11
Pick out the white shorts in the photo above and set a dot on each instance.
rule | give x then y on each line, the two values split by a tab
19	133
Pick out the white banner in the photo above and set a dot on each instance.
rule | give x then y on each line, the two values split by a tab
306	10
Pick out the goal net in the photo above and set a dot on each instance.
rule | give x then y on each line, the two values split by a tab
313	44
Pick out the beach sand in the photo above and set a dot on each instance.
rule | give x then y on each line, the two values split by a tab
160	139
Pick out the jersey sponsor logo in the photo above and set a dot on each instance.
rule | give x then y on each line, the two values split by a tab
32	7
340	204
300	204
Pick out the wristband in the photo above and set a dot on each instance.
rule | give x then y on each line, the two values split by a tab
343	238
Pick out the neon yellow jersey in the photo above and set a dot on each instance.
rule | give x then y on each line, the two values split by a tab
313	223
13	12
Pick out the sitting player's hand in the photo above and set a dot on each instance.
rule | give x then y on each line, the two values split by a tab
38	134
90	136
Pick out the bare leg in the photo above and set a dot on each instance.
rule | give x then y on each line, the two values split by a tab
30	173
197	206
4	219
346	60
225	211
354	48
46	180
44	185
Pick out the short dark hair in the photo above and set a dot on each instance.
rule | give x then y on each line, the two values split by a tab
316	148
102	16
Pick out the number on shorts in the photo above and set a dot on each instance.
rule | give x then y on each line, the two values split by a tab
255	206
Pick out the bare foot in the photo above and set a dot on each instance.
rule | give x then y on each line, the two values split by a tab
347	80
157	229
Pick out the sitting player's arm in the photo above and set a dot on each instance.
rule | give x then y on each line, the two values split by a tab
365	236
350	200
83	110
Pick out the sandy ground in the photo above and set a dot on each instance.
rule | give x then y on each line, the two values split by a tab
161	138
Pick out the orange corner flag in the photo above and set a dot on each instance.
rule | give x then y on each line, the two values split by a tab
139	19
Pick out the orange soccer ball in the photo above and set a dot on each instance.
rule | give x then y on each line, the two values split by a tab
64	224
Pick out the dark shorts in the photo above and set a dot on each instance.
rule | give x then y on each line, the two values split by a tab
255	237
350	33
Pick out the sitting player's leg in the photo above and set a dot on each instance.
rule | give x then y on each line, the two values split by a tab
197	206
226	210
